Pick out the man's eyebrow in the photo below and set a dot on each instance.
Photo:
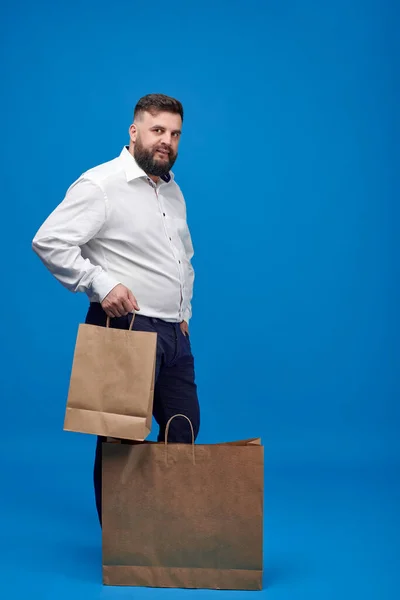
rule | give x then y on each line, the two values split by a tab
162	127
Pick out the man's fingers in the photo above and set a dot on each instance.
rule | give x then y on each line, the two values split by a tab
127	306
119	302
133	300
115	309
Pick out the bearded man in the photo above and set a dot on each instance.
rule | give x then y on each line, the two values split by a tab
120	236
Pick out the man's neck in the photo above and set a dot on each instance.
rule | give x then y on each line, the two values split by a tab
153	178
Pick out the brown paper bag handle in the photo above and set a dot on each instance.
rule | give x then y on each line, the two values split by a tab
166	436
130	325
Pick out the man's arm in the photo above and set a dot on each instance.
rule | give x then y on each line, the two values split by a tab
188	245
190	282
78	218
188	312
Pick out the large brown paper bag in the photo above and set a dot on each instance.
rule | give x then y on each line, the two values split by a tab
183	516
111	389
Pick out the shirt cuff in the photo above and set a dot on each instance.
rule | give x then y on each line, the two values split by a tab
187	316
101	286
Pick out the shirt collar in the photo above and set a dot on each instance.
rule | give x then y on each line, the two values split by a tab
132	169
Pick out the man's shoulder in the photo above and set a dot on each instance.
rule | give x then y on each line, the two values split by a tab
173	184
105	172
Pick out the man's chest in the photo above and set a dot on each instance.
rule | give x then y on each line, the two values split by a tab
142	212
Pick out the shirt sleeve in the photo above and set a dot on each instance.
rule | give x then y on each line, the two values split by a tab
75	221
189	251
190	278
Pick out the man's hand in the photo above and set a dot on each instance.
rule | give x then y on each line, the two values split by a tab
119	302
185	328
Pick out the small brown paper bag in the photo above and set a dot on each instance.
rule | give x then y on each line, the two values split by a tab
112	382
183	516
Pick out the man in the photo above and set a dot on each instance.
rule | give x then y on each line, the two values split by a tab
120	236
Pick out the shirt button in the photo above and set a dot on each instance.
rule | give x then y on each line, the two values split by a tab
163	214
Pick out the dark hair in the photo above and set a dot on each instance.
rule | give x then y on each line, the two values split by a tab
155	103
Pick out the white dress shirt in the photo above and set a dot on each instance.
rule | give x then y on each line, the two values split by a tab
115	225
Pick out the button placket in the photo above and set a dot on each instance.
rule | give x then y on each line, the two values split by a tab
174	250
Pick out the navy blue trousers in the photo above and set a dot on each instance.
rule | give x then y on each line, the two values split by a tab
175	390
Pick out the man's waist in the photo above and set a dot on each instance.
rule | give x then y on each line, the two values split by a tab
148	314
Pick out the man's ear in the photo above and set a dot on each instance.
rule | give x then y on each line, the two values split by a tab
133	132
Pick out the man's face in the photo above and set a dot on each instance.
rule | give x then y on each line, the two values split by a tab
156	139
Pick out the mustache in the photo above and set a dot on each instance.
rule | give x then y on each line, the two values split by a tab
163	148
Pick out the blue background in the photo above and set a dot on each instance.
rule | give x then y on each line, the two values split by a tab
288	165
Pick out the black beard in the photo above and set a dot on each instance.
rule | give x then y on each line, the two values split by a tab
146	161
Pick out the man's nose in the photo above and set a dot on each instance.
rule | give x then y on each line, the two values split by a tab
166	139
